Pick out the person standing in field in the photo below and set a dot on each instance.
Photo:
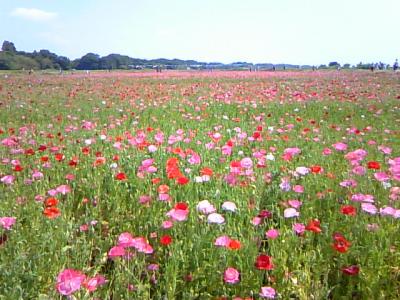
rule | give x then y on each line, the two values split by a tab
395	65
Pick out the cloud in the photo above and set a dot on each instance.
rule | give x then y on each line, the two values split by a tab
33	14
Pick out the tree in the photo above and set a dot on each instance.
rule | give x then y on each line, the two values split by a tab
90	61
334	64
8	46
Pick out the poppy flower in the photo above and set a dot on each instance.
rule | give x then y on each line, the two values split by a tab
182	180
18	168
340	243
314	226
316	169
264	262
121	176
348	210
69	281
373	165
206	171
51	212
165	240
234	245
51	202
351	270
91	284
59	156
231	275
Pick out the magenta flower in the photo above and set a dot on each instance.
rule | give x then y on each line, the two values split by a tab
299	228
7	222
381	176
116	251
231	275
272	234
340	146
69	281
298	189
91	284
178	215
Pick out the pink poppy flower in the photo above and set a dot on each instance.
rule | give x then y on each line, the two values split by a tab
359	170
7	179
295	203
93	283
272	234
116	251
340	146
69	281
267	292
326	152
7	222
387	211
381	176
298	189
205	207
369	208
125	239
246	163
222	241
178	215
299	228
231	275
63	189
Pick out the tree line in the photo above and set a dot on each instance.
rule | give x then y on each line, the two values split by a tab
11	59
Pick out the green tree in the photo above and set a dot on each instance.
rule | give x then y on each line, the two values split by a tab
9	47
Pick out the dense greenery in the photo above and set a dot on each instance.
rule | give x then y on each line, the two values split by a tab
11	59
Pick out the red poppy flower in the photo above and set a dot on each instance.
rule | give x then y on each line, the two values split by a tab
51	212
18	168
165	240
44	158
182	180
256	134
374	165
340	243
86	150
206	171
314	226
234	245
316	169
348	210
59	156
51	202
120	176
29	152
181	205
264	262
351	270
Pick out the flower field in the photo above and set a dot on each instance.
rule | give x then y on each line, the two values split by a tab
200	185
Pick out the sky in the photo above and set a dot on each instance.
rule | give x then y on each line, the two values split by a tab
303	32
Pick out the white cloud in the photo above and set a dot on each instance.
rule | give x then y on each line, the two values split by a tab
33	14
